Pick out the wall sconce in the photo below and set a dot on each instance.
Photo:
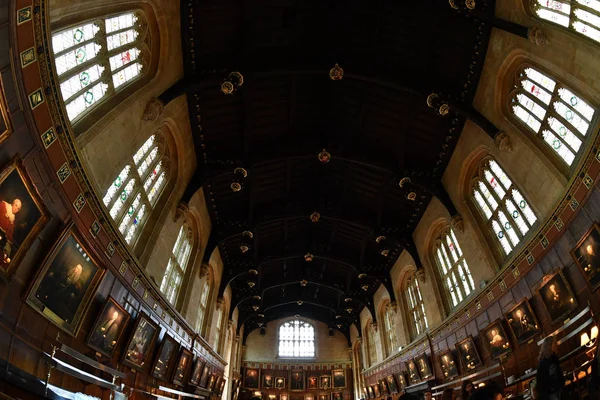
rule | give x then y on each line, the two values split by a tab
262	331
586	340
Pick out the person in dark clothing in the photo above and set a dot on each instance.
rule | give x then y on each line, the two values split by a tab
466	389
594	379
448	394
550	379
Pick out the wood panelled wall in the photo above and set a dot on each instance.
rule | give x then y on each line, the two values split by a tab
25	335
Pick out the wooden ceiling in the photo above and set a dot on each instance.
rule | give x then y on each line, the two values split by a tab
374	122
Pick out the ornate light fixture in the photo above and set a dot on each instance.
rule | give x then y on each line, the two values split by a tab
255	307
253	272
412	196
348	299
338	316
251	284
384	252
336	73
441	107
469	4
315	217
365	287
299	302
324	156
239	175
303	282
404	181
308	257
349	310
233	82
245	244
380	239
339	326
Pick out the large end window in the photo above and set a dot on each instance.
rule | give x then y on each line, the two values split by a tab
581	16
296	339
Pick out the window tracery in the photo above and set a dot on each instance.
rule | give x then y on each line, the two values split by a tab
136	189
454	271
203	302
97	58
389	318
581	16
296	339
416	307
177	264
553	112
371	350
501	204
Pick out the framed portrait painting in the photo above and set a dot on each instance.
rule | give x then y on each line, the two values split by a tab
267	381
401	380
197	372
183	365
557	296
448	364
413	372
337	396
424	367
496	339
325	382
296	380
339	378
370	392
138	349
66	282
204	377
384	388
284	396
312	381
324	396
108	328
391	384
587	256
280	382
165	358
211	382
309	397
522	322
251	376
376	391
221	386
22	215
469	357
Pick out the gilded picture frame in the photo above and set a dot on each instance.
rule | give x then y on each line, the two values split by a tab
29	220
557	296
469	356
337	396
496	339
338	378
251	378
280	382
312	382
139	347
424	366
5	122
587	257
109	328
197	372
523	322
392	384
370	392
448	364
297	383
165	358
65	284
325	382
413	372
267	381
182	367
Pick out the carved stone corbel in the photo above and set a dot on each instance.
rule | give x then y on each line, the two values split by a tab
204	270
153	110
420	274
458	224
537	36
220	303
502	142
374	326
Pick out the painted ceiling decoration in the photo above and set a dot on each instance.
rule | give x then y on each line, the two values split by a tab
322	131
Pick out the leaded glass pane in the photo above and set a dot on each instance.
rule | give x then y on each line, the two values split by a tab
143	167
114	188
72	37
482	204
75	57
116	208
84	101
78	82
119	22
296	339
142	151
157	187
455	273
126	74
119	60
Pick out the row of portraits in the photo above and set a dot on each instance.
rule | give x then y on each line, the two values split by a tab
298	380
310	396
66	282
556	295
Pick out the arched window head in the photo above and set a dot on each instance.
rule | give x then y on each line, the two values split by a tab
136	189
177	264
503	207
97	58
552	112
390	327
371	349
454	271
203	303
296	339
582	16
415	305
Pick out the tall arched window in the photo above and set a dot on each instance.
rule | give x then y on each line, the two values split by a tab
97	58
296	339
389	318
582	16
502	205
371	349
203	303
136	189
180	255
454	271
559	117
416	307
218	325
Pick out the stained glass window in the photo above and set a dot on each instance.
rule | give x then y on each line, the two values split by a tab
202	305
371	350
454	271
390	328
127	198
296	339
502	205
93	63
416	307
582	16
559	117
173	277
